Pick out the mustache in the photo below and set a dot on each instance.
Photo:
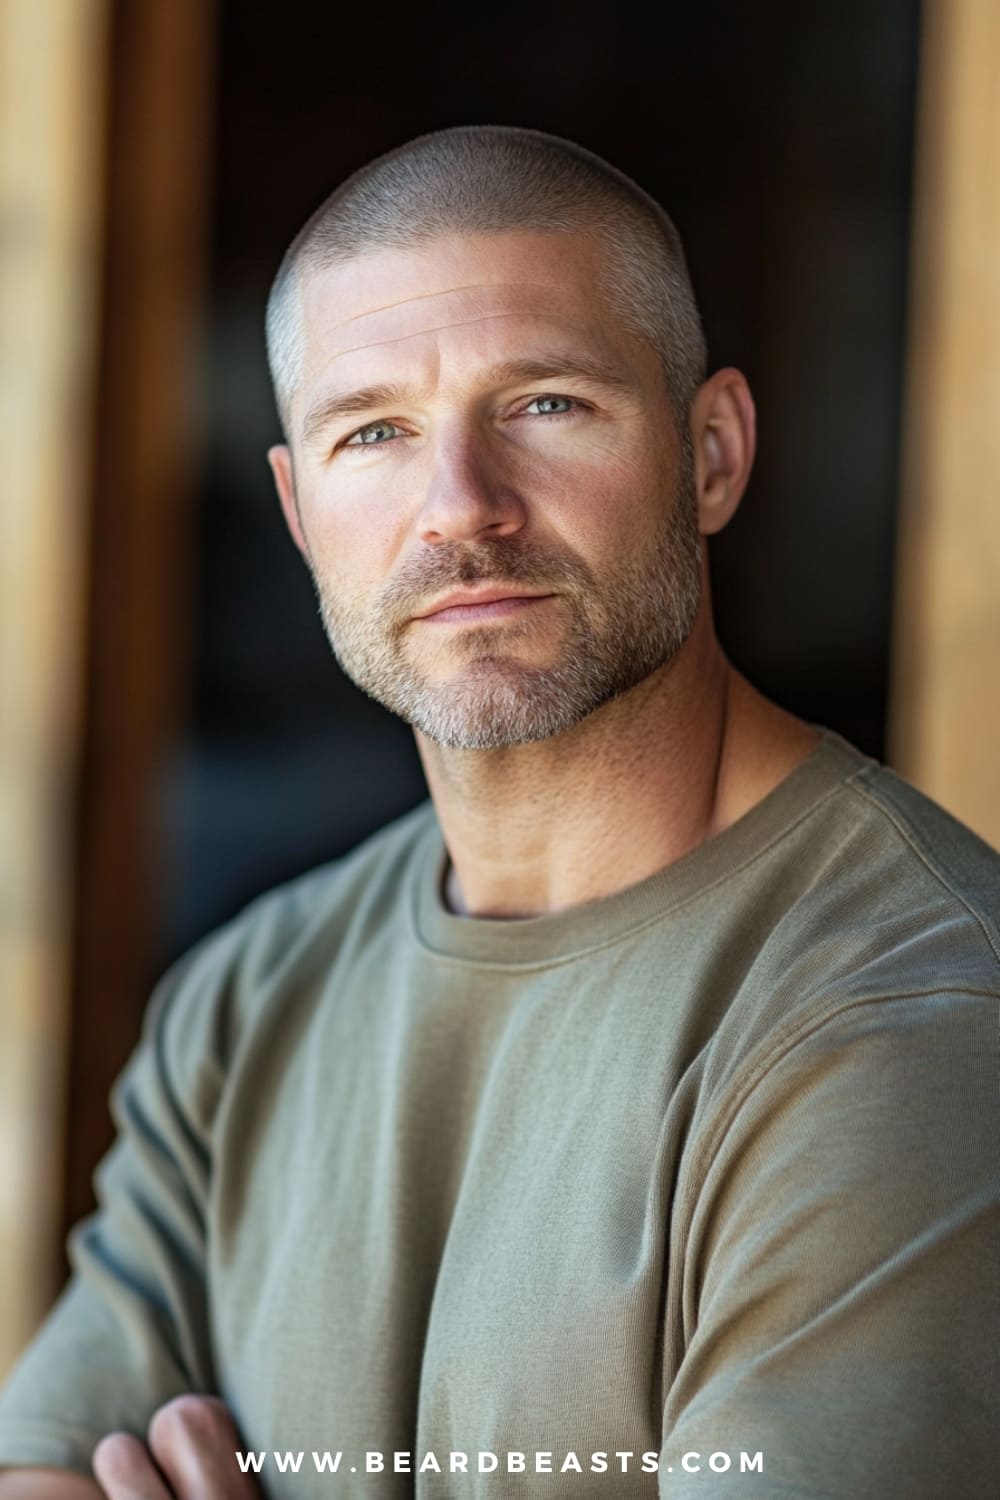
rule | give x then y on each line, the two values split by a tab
448	566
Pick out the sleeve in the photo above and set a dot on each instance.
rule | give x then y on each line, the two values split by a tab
840	1282
131	1328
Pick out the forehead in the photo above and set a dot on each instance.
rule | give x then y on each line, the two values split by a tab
393	303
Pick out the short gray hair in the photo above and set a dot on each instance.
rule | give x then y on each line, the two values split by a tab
488	179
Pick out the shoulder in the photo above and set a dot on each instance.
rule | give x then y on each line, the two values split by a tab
914	895
948	859
860	1056
368	881
893	895
875	909
276	952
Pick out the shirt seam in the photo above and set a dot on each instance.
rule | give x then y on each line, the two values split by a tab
794	1039
31	1429
526	966
929	860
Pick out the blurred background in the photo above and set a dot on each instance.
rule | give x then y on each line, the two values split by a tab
175	734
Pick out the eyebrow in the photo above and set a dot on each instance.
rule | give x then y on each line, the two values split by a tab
542	367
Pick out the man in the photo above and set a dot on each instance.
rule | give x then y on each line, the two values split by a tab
617	1122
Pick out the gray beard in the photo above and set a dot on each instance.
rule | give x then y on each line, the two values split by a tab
622	627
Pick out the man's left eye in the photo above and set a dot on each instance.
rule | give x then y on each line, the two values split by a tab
367	436
547	403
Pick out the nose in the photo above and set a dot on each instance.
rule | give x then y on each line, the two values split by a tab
467	496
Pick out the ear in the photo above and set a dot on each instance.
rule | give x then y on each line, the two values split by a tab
280	459
724	435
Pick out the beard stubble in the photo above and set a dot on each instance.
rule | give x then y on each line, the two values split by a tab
622	626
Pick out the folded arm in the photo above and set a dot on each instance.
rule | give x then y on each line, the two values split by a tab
131	1330
188	1455
47	1484
840	1266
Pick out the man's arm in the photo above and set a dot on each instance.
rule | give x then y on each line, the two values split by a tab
131	1329
47	1484
190	1447
840	1265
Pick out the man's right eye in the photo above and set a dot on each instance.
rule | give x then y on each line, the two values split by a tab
368	436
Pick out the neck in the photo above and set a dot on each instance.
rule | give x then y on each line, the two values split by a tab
536	828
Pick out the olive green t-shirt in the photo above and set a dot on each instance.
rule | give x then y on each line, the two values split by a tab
703	1171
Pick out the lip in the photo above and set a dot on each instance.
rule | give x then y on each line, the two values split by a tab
480	604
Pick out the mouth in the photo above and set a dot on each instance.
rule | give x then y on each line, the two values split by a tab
492	604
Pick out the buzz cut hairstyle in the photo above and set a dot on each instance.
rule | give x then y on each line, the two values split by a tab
494	179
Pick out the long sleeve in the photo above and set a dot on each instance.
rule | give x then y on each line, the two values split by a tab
131	1328
841	1267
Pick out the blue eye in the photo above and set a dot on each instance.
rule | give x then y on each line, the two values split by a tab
367	436
548	401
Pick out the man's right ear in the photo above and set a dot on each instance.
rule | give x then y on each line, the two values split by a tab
280	460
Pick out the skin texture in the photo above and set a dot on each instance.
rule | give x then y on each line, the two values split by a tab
46	1484
188	1455
615	624
471	482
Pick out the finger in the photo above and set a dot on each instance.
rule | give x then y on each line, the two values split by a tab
125	1471
194	1440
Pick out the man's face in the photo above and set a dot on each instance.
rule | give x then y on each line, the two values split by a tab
521	445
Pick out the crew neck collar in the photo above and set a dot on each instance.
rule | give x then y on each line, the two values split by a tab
556	936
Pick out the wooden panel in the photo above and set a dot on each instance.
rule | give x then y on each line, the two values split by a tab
140	563
944	730
51	101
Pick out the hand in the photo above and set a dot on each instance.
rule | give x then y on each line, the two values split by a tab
192	1449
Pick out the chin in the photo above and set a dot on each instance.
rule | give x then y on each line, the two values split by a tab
496	715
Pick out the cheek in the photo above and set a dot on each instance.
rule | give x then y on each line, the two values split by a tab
596	498
353	540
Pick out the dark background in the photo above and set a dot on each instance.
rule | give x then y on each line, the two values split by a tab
779	137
